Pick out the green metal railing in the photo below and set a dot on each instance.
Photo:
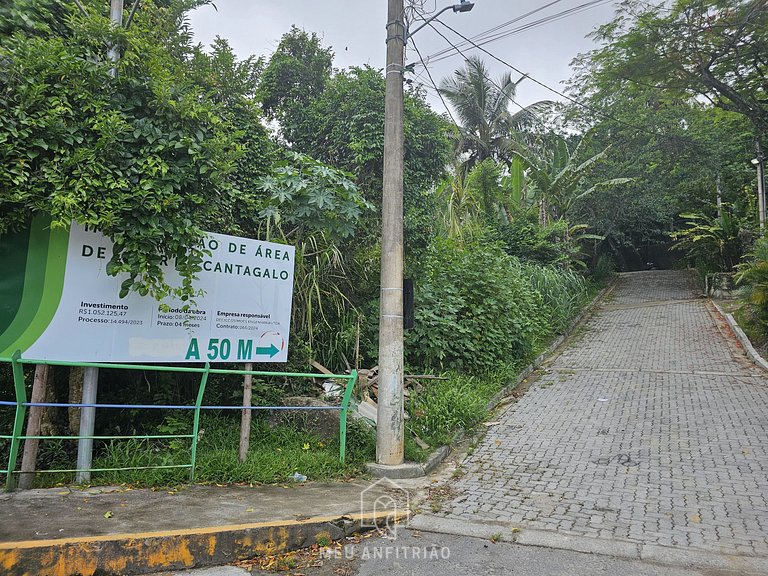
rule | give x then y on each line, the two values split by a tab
21	404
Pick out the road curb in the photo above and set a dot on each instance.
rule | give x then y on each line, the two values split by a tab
669	556
145	552
580	318
742	337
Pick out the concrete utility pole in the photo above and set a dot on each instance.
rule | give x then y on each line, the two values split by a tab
87	425
116	15
91	375
759	163
389	430
245	417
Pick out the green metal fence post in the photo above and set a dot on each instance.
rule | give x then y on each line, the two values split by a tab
343	414
18	422
196	422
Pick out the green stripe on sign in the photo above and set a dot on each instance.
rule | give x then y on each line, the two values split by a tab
34	276
13	255
53	285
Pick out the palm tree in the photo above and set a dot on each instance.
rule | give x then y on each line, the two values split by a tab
488	128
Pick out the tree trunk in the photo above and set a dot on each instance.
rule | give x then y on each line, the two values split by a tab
29	457
49	425
75	397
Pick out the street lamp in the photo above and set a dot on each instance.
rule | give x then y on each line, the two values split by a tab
463	6
390	428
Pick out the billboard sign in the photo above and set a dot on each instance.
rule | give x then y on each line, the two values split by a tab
58	303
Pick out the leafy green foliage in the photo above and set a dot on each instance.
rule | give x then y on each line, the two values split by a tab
557	175
711	48
753	276
141	157
488	129
554	244
563	291
32	17
275	454
341	123
459	402
603	270
474	310
296	75
303	193
640	86
712	244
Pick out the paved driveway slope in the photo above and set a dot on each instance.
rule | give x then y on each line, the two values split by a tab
650	428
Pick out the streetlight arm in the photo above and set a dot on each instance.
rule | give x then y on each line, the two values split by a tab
464	6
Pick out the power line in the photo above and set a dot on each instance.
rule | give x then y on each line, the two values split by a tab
489	36
487	77
433	83
535	81
479	37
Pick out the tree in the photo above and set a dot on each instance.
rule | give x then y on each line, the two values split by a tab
678	149
343	126
295	75
487	126
709	48
142	157
557	176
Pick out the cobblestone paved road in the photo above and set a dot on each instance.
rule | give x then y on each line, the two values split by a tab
650	427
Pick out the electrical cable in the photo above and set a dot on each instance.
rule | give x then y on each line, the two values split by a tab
480	36
434	85
489	36
535	81
491	80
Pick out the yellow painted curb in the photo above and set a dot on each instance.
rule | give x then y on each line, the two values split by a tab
143	552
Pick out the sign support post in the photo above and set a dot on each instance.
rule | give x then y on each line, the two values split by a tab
87	425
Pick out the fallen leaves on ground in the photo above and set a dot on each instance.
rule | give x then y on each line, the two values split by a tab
313	557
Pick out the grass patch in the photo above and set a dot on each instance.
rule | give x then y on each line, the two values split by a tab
443	407
755	332
274	455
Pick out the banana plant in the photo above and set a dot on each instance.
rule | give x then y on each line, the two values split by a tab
556	176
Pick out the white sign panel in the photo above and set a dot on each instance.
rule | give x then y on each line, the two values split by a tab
243	316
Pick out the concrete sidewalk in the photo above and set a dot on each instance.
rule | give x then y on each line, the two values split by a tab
117	530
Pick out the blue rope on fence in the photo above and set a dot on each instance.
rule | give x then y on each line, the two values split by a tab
182	407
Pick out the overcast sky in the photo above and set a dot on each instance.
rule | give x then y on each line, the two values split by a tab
354	29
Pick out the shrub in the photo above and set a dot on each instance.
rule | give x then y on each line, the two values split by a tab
753	276
443	407
275	454
603	269
475	310
547	245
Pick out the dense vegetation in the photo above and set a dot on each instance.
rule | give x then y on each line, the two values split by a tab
512	220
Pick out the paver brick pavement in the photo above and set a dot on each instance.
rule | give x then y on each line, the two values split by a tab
649	427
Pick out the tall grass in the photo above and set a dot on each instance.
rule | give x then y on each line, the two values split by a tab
443	407
564	292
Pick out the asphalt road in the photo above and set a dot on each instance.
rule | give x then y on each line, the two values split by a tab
416	553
